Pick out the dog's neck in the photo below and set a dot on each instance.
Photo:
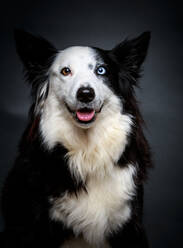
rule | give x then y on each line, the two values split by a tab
92	151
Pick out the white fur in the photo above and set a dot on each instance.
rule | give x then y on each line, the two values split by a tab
103	209
92	152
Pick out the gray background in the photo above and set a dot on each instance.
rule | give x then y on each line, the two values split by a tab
103	24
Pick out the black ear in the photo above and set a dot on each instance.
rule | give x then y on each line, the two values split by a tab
34	51
37	55
131	53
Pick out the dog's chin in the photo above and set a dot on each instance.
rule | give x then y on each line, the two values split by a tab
84	117
83	125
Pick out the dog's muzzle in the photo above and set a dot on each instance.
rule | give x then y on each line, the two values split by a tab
85	95
86	111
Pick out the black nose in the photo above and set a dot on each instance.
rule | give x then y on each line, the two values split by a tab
85	94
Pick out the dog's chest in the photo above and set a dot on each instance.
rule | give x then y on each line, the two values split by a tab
100	210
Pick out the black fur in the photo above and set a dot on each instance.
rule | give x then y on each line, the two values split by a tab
37	55
124	67
40	173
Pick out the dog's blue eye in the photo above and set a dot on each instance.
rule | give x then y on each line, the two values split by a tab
101	70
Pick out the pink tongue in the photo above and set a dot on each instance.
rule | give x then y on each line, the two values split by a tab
85	116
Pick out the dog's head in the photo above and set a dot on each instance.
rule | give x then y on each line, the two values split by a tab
85	81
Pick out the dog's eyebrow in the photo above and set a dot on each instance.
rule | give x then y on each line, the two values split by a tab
90	66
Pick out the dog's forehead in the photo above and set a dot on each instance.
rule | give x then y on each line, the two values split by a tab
78	55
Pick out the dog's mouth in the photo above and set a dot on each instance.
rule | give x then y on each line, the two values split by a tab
84	115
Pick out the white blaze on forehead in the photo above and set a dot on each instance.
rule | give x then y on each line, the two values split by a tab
77	58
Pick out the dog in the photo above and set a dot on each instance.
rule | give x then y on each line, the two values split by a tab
83	158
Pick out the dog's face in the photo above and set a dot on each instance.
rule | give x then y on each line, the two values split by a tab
78	80
85	81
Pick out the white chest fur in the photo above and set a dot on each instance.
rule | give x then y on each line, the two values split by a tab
92	155
104	208
92	151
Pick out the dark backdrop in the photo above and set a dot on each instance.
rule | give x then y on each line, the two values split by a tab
103	24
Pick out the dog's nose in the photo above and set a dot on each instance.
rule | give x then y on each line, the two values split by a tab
85	94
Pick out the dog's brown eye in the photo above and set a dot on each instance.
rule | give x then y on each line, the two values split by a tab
65	71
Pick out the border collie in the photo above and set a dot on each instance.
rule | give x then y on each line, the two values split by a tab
83	158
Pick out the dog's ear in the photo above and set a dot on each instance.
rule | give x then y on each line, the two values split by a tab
130	54
34	51
37	55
